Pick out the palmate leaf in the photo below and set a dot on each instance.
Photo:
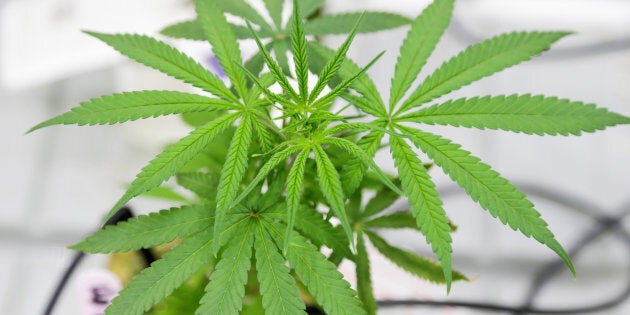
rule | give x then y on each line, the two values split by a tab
274	68
343	23
330	185
396	220
122	107
203	185
223	41
333	65
308	7
353	171
277	287
384	198
147	231
326	100
356	151
266	80
185	299
321	277
528	114
280	50
274	7
263	133
418	266
481	60
485	186
256	63
232	174
165	275
364	277
359	102
192	29
321	232
274	160
226	289
168	273
298	47
319	54
165	193
162	57
175	156
426	30
242	9
294	192
425	202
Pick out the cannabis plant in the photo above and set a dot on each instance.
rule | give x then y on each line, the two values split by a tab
284	148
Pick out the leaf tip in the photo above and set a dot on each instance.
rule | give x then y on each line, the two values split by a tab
76	246
93	33
448	279
36	127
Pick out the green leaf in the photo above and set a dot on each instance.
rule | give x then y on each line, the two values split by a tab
175	156
280	49
479	61
264	135
129	106
162	57
273	161
185	299
359	102
334	64
321	232
328	98
425	32
277	287
192	30
294	191
256	63
266	80
203	185
271	97
319	54
298	47
364	277
164	193
232	174
274	7
353	206
418	266
223	41
485	186
357	152
164	276
384	198
353	171
308	7
330	185
147	231
274	68
187	30
396	220
343	23
226	289
242	9
519	113
425	202
320	276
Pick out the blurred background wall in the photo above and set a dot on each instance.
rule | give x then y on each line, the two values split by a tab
59	182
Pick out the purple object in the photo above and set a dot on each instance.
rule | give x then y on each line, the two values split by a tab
215	67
